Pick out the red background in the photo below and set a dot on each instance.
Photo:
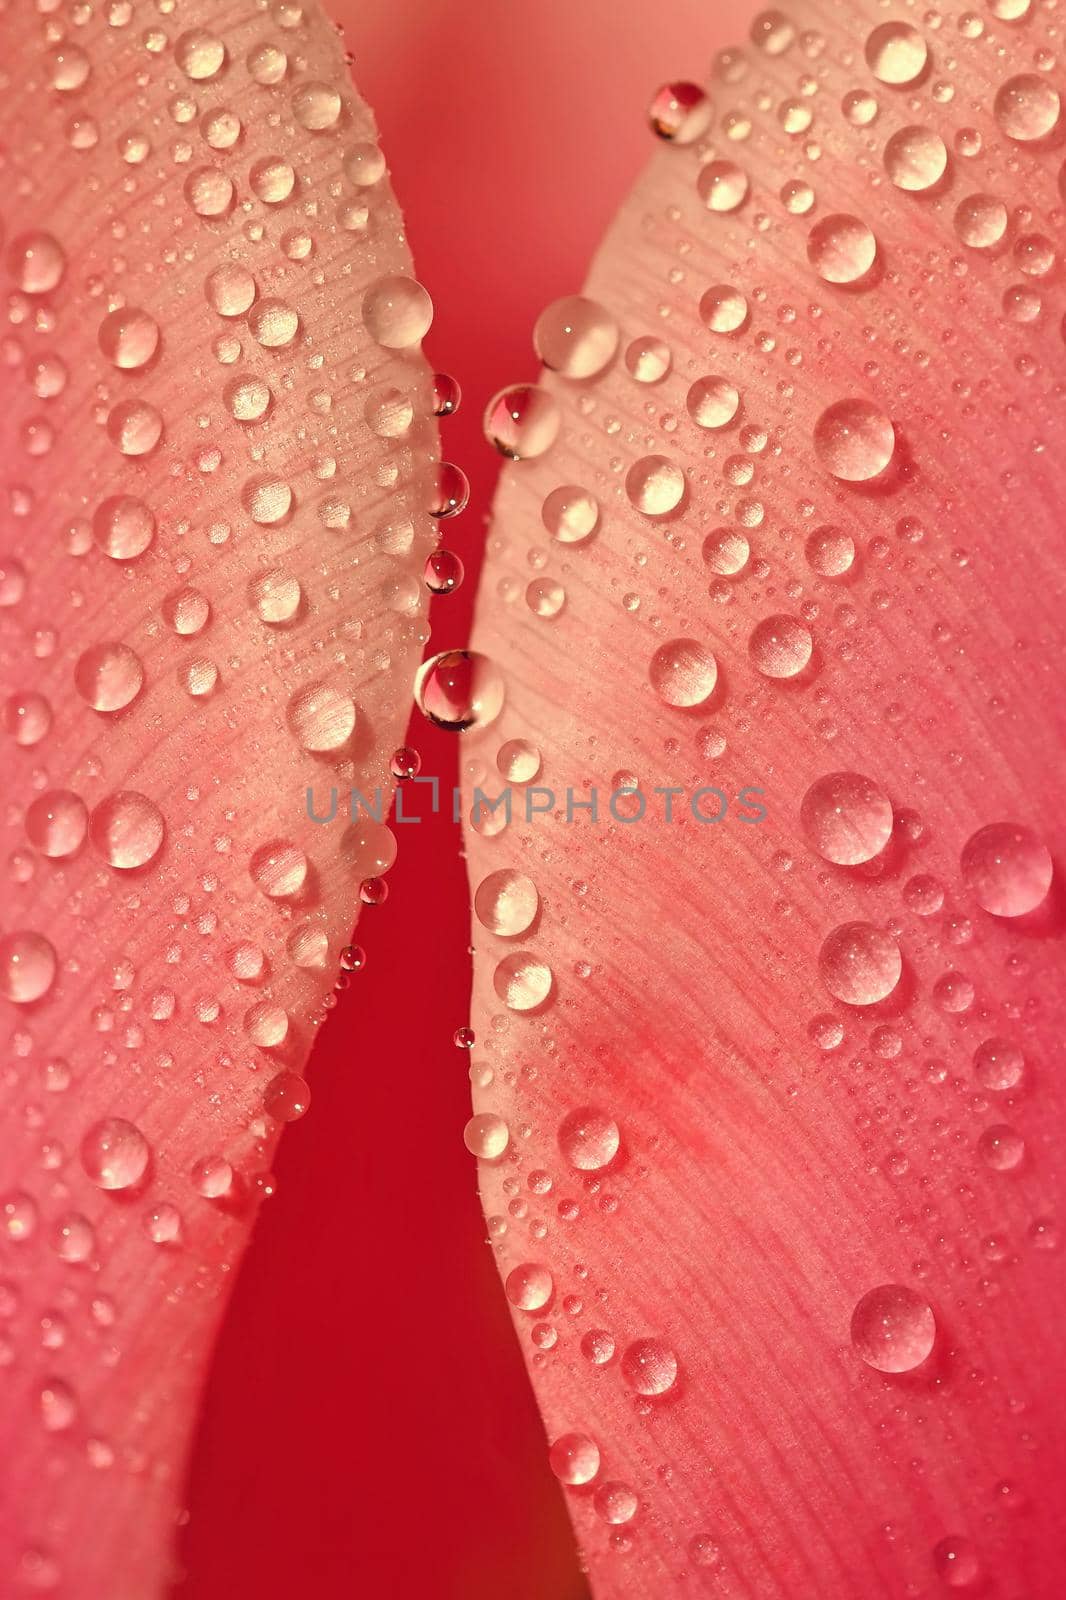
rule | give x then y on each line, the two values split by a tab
368	1420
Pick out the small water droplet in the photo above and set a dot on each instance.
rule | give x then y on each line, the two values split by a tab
956	1562
722	186
841	248
321	718
649	1366
486	1136
655	486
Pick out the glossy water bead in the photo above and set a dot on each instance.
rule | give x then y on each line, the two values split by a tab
892	1328
575	336
459	689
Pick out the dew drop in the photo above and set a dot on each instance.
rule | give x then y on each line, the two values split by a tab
397	312
123	527
447	395
726	551
209	192
588	1138
649	1366
522	422
518	761
114	1154
570	514
129	338
486	1136
575	336
199	54
127	829
615	1503
529	1286
1027	107
523	981
860	964
723	309
574	1458
655	486
162	1224
998	1065
321	718
841	248
109	677
680	113
722	186
1001	1147
459	689
1007	869
272	180
647	359
846	818
896	53
916	159
286	1097
506	902
450	492
134	427
980	221
956	1563
273	323
27	717
275	596
27	966
780	646
854	441
36	262
683	672
212	1177
892	1328
830	552
230	290
712	402
316	106
278	870
56	823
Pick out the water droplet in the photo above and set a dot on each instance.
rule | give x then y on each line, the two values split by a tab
712	402
615	1503
896	53
73	1238
998	1065
655	486
114	1153
18	1213
286	1098
1001	1147
272	180
59	1406
459	689
108	677
574	1458
726	551
321	718
980	221
529	1286
680	112
570	514
649	1366
199	54
780	647
450	492
860	964
854	440
212	1177
589	1138
522	422
722	186
575	336
123	527
36	262
892	1328
127	829
316	106
703	1551
841	248
209	192
273	324
723	309
956	1562
134	427
275	596
846	818
486	1136
443	572
278	869
518	761
1007	869
129	338
230	290
27	717
523	981
830	552
397	312
162	1224
683	672
1027	107
916	158
506	902
648	360
27	966
56	823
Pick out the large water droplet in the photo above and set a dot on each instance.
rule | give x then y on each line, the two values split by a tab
321	718
680	112
683	672
574	1458
956	1562
916	159
722	186
1007	869
589	1138
575	336
980	221
56	823
27	966
114	1153
522	422
1027	107
846	818
780	647
860	964
397	312
529	1286
123	527
506	902
459	689
486	1136
841	248
892	1328
570	514
896	53
655	485
712	402
649	1366
37	262
854	440
723	309
127	829
108	677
